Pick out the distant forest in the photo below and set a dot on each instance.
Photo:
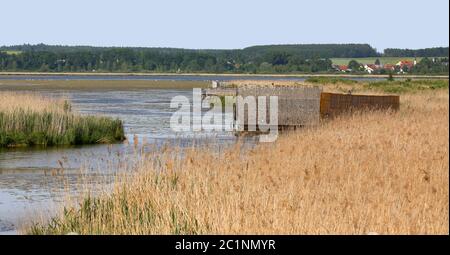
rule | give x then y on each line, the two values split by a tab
305	58
430	52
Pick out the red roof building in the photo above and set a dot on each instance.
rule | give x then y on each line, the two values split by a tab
407	63
389	67
373	66
343	67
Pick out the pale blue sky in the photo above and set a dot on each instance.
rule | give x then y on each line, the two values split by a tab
225	24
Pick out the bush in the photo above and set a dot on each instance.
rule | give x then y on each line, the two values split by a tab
330	80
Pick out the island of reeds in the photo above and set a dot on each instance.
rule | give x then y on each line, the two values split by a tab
28	119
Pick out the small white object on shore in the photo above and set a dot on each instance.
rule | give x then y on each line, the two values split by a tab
214	84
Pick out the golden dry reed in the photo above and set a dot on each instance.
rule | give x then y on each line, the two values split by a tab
32	119
13	101
383	172
344	85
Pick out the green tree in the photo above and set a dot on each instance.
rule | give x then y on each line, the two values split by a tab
354	65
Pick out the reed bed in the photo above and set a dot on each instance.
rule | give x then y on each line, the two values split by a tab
31	119
344	85
383	172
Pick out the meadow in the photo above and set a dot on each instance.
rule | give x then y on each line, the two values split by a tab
13	52
345	85
28	119
398	86
378	171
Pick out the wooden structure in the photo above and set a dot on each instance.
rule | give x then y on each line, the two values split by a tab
332	104
297	106
301	105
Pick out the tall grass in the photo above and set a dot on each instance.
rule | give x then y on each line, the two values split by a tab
338	84
330	80
30	119
384	172
404	86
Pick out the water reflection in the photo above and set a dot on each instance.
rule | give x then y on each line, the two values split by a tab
29	176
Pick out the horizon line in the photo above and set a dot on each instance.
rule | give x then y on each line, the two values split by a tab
186	48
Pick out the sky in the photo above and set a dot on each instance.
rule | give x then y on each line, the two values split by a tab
227	24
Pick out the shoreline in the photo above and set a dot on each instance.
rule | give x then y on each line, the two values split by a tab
220	74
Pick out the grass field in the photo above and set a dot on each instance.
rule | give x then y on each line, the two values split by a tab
384	172
13	52
30	119
343	85
390	87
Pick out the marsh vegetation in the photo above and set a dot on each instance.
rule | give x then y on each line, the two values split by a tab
31	119
379	171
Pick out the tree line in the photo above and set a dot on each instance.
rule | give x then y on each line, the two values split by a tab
271	59
307	58
428	52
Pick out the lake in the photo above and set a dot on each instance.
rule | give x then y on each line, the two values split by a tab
31	179
26	183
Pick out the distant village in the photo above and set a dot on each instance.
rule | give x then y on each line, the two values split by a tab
402	67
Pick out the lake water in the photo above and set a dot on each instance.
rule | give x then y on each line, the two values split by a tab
168	77
28	182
